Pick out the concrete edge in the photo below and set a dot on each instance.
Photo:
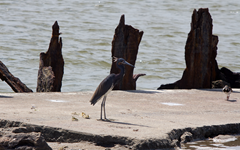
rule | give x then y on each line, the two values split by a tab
172	139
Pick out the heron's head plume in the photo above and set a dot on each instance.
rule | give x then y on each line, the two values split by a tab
115	59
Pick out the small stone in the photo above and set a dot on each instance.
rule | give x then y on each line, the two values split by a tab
224	138
186	137
175	143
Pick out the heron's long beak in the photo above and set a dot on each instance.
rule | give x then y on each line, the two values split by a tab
127	63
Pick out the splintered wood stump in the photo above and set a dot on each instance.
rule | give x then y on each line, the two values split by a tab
200	54
51	65
125	45
13	82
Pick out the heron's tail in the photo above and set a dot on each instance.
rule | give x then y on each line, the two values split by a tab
95	98
93	101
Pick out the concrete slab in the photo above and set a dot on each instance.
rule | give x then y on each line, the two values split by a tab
134	114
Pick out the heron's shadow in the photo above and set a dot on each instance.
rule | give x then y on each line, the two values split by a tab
123	123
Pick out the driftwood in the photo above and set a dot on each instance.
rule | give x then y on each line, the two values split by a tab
200	53
125	45
51	65
13	82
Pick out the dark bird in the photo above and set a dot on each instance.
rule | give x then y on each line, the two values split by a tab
108	84
227	90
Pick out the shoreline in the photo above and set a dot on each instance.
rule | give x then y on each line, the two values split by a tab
141	119
173	139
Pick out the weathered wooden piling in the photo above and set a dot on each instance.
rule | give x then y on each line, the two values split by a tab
51	65
200	54
125	45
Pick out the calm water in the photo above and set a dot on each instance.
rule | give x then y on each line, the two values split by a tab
87	31
88	28
231	143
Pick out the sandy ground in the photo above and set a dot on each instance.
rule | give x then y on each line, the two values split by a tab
133	114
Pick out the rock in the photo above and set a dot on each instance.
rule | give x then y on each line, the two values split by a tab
237	84
20	130
2	148
13	82
168	86
51	65
176	143
125	45
200	53
219	84
22	141
169	141
186	137
230	77
224	138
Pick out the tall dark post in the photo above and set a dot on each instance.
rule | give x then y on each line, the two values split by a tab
51	65
125	45
200	54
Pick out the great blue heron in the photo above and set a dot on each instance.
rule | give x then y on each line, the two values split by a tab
108	84
227	90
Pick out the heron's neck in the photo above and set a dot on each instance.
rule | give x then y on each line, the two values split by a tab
122	72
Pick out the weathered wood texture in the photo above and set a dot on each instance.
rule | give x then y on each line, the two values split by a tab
125	45
200	53
13	82
51	65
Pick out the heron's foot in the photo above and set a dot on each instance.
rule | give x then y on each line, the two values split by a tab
100	119
109	120
106	120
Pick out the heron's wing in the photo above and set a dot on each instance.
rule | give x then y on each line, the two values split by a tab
103	88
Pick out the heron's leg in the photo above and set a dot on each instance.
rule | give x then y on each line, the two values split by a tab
104	100
101	109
